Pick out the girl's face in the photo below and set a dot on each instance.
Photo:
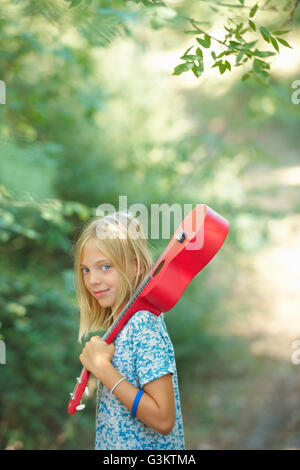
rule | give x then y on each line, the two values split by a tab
99	274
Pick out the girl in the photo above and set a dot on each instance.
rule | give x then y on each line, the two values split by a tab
139	406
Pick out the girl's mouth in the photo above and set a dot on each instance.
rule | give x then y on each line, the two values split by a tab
98	294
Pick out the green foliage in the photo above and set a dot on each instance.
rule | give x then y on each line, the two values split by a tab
236	46
100	22
39	320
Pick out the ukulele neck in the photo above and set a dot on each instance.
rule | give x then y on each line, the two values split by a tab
127	306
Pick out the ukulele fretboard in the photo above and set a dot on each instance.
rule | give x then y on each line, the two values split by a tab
127	306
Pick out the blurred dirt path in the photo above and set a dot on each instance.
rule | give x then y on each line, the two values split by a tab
273	413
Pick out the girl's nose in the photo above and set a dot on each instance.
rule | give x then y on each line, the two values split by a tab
95	277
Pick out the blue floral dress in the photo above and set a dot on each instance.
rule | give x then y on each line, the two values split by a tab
144	352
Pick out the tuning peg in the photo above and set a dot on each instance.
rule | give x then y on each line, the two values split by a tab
80	407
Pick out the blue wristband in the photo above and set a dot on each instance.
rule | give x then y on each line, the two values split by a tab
136	402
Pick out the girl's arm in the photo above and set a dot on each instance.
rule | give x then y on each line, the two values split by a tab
156	407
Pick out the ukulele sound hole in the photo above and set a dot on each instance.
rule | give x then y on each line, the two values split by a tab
158	268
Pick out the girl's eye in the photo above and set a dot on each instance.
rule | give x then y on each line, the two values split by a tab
109	266
106	265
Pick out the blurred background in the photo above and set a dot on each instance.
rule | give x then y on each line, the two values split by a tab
92	112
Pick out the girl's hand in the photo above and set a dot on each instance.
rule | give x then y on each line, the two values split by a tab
96	354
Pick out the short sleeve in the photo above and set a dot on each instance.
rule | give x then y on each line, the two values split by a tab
151	353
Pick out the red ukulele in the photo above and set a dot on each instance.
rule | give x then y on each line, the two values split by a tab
195	242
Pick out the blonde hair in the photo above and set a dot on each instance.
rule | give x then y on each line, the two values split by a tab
124	242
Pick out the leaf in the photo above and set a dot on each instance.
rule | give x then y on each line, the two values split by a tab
253	10
248	45
198	69
263	53
195	71
239	31
284	42
252	25
279	32
188	57
258	65
238	28
199	52
234	43
245	77
183	68
265	33
217	64
262	77
239	57
222	68
228	65
274	43
204	42
262	64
